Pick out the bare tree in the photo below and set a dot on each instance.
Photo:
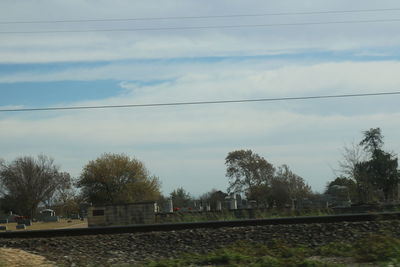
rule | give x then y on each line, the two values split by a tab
352	156
29	181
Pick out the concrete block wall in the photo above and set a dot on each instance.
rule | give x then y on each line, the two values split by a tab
126	214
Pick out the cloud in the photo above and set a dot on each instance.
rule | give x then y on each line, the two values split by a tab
166	138
177	141
251	41
186	145
169	81
248	81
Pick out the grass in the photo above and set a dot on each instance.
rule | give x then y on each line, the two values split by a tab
380	250
63	223
374	248
243	254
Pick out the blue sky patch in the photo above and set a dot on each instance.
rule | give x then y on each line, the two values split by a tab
49	93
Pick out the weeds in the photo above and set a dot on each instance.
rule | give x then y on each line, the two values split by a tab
239	214
381	250
276	253
377	248
373	248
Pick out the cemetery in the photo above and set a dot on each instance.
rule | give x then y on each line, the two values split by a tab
46	220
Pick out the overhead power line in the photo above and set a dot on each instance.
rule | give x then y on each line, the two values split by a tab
206	27
203	17
200	102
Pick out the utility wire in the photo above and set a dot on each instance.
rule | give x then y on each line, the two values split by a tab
201	102
202	17
206	27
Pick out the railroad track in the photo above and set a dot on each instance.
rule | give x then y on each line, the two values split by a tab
196	225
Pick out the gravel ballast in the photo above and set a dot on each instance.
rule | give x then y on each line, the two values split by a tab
105	250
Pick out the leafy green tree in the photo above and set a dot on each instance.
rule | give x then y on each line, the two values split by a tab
251	174
380	171
180	198
373	140
279	194
117	178
27	181
246	170
262	194
365	187
296	185
287	186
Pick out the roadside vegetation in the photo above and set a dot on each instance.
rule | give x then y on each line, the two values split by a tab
378	250
373	250
227	215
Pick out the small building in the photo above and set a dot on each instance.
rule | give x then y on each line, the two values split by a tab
123	214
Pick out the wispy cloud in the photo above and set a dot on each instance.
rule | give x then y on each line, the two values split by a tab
186	145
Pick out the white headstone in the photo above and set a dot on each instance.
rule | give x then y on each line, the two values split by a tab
170	206
219	205
233	204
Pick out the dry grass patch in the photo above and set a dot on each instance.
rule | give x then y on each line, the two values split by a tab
11	257
63	223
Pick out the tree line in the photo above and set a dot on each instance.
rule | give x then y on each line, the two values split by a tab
369	173
256	178
28	182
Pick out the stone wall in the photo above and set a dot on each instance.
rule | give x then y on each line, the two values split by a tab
126	214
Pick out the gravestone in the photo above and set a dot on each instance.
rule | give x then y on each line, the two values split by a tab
75	217
3	228
169	207
24	221
208	207
20	226
219	206
49	215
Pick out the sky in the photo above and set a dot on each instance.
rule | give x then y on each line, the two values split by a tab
57	53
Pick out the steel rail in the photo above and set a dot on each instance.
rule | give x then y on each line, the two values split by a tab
359	217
